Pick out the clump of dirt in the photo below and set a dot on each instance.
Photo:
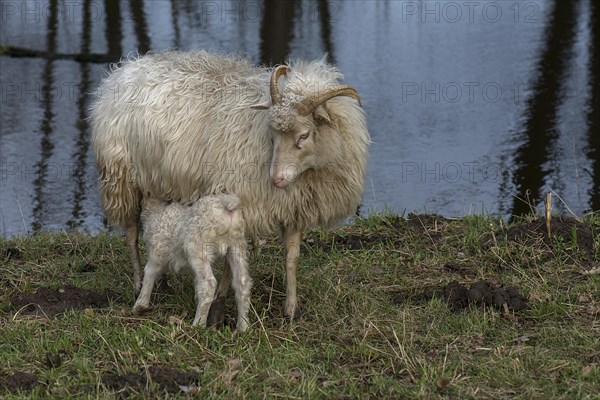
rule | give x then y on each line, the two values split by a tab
461	269
53	301
55	360
85	267
389	233
171	379
360	242
481	292
125	381
459	297
568	229
168	379
23	381
349	242
13	253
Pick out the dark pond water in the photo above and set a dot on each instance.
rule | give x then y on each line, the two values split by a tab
471	105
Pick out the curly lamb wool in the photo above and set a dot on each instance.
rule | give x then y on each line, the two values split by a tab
179	236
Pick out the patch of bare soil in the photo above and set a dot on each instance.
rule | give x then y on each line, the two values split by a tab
362	242
389	234
430	225
568	229
54	360
13	253
53	301
19	381
393	231
459	297
168	379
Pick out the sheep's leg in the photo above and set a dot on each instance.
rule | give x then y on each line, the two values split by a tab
131	238
151	271
291	239
205	286
242	283
216	314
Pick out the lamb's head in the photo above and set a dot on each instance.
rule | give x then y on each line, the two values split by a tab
229	202
304	136
226	209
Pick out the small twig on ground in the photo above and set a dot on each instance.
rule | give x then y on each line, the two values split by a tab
566	206
594	271
548	207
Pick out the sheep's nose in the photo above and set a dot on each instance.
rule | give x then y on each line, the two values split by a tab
280	182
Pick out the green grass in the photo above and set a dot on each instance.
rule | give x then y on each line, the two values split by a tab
354	340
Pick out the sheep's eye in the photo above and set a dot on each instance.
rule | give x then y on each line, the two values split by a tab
302	138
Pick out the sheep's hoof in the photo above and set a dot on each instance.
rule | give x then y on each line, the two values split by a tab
139	309
242	326
295	315
216	314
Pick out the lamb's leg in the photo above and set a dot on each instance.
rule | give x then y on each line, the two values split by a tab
131	238
291	239
216	314
242	283
151	271
205	287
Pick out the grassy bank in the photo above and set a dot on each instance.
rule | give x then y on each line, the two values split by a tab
381	317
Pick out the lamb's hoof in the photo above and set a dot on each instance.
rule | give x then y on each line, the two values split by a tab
241	327
216	314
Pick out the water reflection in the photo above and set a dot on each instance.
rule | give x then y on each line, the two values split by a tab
593	106
141	29
175	23
276	29
46	144
541	125
325	23
405	65
113	30
82	142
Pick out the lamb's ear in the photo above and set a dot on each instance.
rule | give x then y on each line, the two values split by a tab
321	115
230	202
261	106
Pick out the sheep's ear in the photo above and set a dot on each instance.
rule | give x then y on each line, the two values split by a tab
321	115
261	106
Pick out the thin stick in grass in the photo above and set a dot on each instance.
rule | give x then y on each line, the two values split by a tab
548	207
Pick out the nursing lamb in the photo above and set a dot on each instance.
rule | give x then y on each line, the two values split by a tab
179	236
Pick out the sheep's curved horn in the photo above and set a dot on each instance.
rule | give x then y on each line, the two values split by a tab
310	103
277	72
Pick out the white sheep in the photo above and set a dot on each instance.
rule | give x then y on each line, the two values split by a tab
179	236
181	125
